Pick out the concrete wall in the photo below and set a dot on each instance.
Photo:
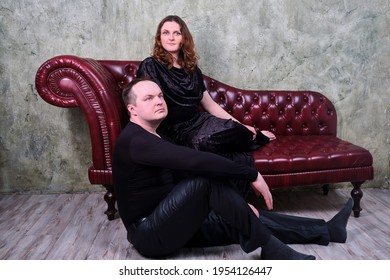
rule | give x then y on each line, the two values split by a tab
340	48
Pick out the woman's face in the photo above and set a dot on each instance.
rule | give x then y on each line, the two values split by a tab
171	37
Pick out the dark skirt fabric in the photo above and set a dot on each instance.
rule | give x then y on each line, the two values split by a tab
206	132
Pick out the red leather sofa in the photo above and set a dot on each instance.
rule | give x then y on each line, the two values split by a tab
306	151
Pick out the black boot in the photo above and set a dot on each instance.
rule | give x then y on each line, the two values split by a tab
337	226
277	250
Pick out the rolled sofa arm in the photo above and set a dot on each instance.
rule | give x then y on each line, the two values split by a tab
71	81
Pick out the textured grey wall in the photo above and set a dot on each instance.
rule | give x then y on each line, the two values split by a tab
340	48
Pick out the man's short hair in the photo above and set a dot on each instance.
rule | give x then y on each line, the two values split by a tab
128	94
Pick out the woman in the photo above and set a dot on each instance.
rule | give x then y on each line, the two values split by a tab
173	66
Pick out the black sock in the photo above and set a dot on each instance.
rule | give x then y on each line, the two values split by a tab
277	250
337	226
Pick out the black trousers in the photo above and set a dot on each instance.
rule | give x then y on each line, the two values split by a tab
206	212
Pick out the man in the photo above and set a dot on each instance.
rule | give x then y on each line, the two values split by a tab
204	208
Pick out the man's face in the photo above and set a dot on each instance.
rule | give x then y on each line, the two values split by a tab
150	104
171	37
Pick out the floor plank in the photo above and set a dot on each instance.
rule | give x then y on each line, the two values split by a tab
73	226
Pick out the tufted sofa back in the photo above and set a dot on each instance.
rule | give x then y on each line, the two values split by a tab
282	112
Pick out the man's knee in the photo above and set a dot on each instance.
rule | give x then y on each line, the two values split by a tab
194	184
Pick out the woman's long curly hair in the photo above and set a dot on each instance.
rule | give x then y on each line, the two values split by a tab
187	59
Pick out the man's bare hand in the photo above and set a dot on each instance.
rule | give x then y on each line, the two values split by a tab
261	187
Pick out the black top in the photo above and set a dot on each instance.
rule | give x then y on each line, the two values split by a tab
143	168
182	91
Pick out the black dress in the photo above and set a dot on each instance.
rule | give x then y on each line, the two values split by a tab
187	126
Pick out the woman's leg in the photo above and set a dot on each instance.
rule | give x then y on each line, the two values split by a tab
206	132
221	136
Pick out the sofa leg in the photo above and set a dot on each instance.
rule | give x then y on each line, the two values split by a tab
357	195
325	189
110	198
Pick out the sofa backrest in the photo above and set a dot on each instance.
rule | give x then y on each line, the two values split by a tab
282	112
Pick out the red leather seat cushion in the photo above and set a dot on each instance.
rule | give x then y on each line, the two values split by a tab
290	154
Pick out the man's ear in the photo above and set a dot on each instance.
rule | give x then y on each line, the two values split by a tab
131	109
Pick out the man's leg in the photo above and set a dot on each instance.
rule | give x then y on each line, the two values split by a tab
181	214
214	231
252	233
300	230
175	220
296	230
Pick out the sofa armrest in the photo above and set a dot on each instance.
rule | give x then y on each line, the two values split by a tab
71	81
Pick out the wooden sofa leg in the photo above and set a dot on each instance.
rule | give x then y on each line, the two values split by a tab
357	195
110	198
325	189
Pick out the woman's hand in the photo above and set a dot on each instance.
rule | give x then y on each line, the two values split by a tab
269	134
252	129
213	108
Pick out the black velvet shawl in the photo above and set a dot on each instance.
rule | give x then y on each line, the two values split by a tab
182	88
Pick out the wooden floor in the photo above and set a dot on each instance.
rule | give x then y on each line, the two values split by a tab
73	226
